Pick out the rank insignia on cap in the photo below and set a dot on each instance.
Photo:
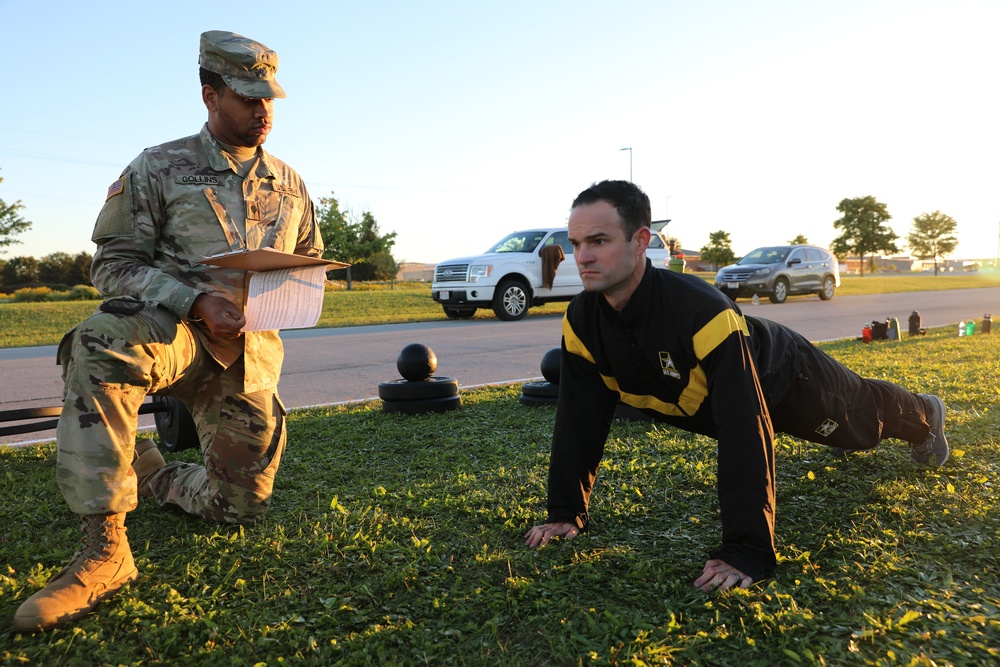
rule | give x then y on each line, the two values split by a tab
116	188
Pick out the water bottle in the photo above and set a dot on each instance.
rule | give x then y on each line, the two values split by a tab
894	333
961	328
755	300
970	327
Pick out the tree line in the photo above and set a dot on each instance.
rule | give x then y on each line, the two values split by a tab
864	233
355	239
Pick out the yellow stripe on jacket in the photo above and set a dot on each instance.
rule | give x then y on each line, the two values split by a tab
693	395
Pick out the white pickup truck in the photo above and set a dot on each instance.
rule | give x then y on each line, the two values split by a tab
508	276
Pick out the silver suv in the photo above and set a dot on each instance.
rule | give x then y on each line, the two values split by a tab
779	271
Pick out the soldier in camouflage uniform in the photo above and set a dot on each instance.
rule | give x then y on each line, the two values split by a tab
173	327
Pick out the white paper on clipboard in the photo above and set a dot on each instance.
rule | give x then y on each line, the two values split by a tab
285	291
285	298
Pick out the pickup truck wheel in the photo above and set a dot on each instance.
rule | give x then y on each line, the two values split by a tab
511	301
459	313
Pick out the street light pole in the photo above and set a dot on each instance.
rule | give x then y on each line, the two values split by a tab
629	149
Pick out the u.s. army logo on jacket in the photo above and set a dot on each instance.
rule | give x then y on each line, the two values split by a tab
667	365
827	427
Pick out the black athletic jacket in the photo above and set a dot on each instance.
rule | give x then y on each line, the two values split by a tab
682	352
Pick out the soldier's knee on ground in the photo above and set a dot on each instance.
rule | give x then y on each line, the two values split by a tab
236	505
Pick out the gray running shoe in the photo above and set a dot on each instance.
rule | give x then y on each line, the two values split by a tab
936	444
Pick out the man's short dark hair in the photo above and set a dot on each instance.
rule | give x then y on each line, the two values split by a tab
628	199
213	79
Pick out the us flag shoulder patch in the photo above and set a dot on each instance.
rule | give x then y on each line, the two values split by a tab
116	188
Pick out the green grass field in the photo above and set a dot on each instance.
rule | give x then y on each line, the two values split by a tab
396	540
28	324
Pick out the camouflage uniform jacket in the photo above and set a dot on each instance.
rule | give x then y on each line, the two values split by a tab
181	201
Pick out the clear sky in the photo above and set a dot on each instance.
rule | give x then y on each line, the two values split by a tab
457	122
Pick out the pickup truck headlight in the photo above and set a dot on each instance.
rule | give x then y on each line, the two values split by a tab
477	271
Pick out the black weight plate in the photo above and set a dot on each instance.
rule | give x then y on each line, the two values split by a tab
540	389
406	390
420	406
175	425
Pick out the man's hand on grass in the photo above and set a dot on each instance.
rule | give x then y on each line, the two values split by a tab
720	575
540	535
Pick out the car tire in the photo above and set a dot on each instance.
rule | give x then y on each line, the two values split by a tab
780	292
829	287
459	313
511	301
174	424
407	390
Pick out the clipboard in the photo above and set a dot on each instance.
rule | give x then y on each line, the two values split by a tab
285	291
266	259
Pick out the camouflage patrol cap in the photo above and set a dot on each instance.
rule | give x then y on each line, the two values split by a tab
248	67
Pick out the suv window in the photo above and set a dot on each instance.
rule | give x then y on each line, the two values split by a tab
766	256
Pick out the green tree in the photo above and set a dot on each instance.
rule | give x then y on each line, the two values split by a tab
20	271
719	251
799	240
377	262
11	223
933	236
53	268
61	268
863	230
356	241
80	275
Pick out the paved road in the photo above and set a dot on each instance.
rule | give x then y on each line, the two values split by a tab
324	366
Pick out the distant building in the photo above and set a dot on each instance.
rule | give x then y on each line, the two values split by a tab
414	272
905	264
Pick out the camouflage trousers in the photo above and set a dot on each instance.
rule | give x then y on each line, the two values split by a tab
110	363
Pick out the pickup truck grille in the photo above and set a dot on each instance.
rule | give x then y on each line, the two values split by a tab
451	273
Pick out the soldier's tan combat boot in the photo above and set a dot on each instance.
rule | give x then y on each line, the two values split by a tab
146	463
102	566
